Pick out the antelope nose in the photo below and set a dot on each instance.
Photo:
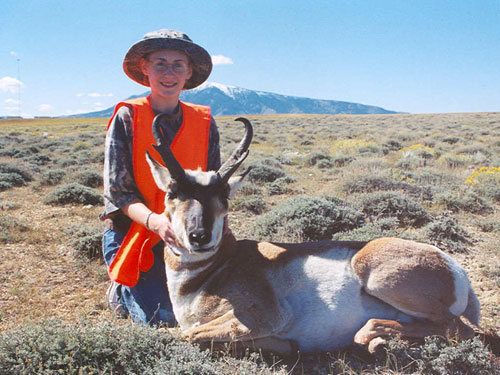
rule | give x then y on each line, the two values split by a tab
199	237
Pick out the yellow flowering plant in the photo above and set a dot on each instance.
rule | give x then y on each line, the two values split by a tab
483	174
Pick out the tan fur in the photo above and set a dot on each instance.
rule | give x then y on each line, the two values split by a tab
286	252
408	275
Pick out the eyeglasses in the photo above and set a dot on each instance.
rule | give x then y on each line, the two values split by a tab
161	66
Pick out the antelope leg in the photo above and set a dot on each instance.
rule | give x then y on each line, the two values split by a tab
380	328
227	329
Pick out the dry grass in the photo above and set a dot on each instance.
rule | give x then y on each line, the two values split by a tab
40	276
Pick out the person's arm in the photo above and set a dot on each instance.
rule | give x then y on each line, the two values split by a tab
157	223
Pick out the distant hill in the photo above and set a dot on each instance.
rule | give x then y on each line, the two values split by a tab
231	100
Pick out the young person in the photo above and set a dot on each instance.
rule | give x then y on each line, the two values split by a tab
168	62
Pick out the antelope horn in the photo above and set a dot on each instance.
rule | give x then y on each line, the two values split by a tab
163	148
238	155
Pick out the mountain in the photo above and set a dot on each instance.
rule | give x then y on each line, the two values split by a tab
231	100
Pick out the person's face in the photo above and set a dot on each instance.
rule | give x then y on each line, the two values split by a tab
167	71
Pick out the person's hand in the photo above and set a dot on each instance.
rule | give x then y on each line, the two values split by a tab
161	225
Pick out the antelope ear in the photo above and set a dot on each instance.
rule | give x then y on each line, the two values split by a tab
160	174
235	183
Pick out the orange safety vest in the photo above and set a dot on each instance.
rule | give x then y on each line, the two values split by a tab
190	148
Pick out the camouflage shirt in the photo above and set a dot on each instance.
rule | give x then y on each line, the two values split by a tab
120	188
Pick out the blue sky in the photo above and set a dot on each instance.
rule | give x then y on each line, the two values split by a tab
412	56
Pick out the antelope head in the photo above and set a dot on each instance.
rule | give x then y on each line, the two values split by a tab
196	202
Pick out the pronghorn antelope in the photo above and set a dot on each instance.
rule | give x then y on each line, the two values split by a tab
306	296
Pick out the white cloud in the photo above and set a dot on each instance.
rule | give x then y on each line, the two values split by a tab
97	95
9	84
13	53
45	107
221	60
94	95
12	101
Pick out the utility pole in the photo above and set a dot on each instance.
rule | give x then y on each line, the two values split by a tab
19	86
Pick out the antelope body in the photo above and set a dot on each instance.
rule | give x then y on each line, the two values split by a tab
307	296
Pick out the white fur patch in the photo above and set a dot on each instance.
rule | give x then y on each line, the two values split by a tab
202	178
462	284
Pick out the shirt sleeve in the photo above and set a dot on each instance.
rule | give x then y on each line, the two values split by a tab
120	188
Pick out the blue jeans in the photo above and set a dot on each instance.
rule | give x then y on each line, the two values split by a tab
147	302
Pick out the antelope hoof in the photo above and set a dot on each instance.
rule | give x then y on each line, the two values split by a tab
377	346
365	335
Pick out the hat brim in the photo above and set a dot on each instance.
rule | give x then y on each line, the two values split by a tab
200	59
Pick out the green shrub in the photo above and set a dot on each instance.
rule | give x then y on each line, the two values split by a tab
86	241
38	159
393	145
251	203
436	356
73	193
4	185
104	348
52	177
451	140
486	182
89	178
11	229
9	152
269	161
468	202
306	218
27	152
314	158
454	161
12	169
489	225
12	176
250	189
98	158
264	173
393	204
341	161
8	205
444	232
415	156
385	227
367	184
280	186
409	162
325	163
435	177
12	179
68	162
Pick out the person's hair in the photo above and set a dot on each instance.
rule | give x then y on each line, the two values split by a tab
190	62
